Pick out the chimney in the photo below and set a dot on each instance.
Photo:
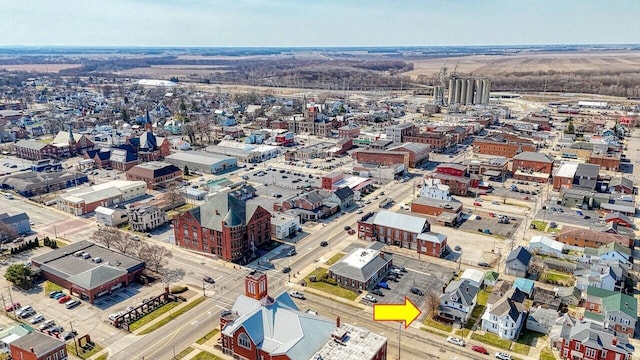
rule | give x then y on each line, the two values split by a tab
217	212
443	289
338	321
467	289
614	341
33	351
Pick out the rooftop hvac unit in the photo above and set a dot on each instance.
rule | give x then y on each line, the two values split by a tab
97	260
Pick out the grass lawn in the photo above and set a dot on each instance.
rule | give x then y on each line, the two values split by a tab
483	296
174	315
460	332
208	336
49	287
530	338
547	354
470	323
554	277
437	325
203	355
184	352
553	230
434	332
539	225
71	349
152	316
103	357
491	339
328	288
520	348
477	311
335	258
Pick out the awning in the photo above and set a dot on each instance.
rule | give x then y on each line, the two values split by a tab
492	173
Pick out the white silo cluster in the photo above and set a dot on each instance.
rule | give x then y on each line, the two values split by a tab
469	91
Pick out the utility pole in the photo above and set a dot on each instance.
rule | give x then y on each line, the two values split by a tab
204	291
75	343
11	299
399	333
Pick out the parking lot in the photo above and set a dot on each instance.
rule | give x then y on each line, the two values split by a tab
481	221
423	275
570	216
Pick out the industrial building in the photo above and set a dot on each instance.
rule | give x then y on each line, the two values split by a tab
469	91
87	199
202	161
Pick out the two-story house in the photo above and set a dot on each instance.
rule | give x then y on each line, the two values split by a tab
601	275
587	340
518	262
458	300
505	317
613	310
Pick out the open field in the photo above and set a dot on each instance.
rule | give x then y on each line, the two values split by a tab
40	68
487	65
173	70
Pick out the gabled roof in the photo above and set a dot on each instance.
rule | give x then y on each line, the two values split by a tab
223	207
595	336
361	264
344	193
510	304
617	215
31	144
524	285
621	181
412	224
280	328
545	317
432	237
521	254
607	248
623	303
491	276
15	218
460	291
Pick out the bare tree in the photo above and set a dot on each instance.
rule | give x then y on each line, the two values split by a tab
174	198
123	244
432	301
155	257
106	236
7	232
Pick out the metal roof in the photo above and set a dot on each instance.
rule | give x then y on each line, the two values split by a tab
361	264
412	224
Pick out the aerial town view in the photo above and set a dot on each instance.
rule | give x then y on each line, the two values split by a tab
238	180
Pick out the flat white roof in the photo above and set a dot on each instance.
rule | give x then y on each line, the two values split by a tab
473	275
567	170
358	259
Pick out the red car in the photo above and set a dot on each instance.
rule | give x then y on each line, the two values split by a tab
492	214
477	204
64	299
14	306
480	349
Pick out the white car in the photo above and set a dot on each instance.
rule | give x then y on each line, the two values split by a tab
36	319
297	294
370	298
456	341
503	356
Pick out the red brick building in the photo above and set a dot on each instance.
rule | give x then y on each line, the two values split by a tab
382	157
155	174
261	327
532	161
350	130
606	161
458	185
38	346
438	141
589	238
587	340
418	153
451	169
225	225
507	145
35	150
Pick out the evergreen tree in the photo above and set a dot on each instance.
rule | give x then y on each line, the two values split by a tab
185	171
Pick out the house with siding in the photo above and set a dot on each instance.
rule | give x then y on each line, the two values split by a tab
611	309
518	262
506	316
458	300
361	269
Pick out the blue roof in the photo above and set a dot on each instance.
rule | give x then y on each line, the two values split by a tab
520	253
524	285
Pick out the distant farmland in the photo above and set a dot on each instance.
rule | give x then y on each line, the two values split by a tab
39	68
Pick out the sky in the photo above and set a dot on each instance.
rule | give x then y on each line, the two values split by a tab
302	23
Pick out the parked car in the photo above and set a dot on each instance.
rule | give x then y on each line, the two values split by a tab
36	319
495	202
47	324
480	349
383	285
455	341
56	329
297	294
457	248
370	298
503	356
64	299
377	292
553	225
71	304
12	307
347	228
475	203
416	291
484	264
586	217
54	293
208	279
351	232
26	314
59	295
324	243
69	335
286	270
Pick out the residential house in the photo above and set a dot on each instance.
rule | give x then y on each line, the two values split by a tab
457	301
586	340
586	177
543	245
621	185
541	320
361	269
524	285
613	310
19	223
310	206
590	238
145	218
506	316
618	218
570	295
475	277
611	253
343	196
491	278
518	262
110	217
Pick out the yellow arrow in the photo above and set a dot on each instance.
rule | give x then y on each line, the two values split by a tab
406	312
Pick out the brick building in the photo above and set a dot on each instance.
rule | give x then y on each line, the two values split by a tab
402	230
438	141
610	161
35	150
503	144
261	327
451	169
587	340
458	185
225	225
156	174
418	153
589	238
382	157
38	346
350	130
532	166
563	178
